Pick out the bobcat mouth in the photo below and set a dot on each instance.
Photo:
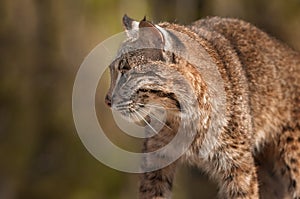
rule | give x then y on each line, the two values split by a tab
133	112
139	110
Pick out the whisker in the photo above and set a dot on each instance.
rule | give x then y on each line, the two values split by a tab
121	108
151	114
124	103
135	117
138	114
154	106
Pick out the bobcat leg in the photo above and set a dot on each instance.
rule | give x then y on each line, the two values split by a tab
290	151
157	184
239	181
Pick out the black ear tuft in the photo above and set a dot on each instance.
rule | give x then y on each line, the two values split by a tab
127	22
144	19
146	24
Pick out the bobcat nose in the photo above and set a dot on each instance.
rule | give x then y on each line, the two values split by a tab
108	100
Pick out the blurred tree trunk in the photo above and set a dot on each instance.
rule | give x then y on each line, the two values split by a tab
47	160
180	11
17	118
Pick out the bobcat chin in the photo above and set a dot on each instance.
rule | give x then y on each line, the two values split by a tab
248	142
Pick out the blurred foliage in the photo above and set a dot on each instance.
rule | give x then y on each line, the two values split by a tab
42	46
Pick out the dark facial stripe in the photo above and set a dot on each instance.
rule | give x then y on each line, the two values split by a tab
162	94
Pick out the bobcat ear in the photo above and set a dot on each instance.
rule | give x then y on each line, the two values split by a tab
131	26
144	30
148	29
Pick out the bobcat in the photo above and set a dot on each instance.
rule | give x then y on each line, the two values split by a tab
253	149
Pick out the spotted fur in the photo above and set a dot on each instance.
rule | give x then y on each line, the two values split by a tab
253	150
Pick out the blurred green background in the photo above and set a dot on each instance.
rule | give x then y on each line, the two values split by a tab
42	44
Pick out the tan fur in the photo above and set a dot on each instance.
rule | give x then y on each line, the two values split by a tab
257	149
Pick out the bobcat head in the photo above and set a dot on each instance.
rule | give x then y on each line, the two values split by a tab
145	75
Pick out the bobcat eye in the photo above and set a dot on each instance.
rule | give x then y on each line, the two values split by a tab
123	66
